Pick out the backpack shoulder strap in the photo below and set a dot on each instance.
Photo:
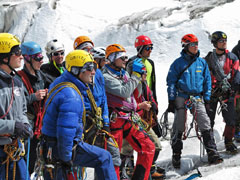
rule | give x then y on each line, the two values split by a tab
60	87
180	74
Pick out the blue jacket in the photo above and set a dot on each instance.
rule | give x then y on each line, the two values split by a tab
63	117
99	94
195	80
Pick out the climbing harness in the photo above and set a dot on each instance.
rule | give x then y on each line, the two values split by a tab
190	104
40	164
96	127
14	152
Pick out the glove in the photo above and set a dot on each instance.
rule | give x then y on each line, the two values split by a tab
106	128
67	165
171	106
138	66
207	106
23	130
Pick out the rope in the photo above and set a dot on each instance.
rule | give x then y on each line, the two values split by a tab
165	125
190	104
14	154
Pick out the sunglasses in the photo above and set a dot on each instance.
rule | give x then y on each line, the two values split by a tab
222	40
17	52
193	44
37	57
58	53
123	58
148	48
88	67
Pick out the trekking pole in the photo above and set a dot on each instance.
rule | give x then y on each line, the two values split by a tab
28	157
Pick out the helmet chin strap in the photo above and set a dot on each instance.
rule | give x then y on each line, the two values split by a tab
116	67
30	62
221	49
8	64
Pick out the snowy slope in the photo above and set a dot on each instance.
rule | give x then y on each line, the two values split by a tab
165	22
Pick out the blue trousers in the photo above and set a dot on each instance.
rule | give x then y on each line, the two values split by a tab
21	170
91	156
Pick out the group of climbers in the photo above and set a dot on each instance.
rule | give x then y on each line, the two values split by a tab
199	84
97	107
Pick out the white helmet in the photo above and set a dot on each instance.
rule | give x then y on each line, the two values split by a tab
53	46
99	52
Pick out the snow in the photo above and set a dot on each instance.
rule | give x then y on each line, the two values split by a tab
165	22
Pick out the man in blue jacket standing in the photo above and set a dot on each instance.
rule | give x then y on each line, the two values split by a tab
64	120
189	80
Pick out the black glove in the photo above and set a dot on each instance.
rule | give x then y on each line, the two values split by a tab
207	106
23	130
171	106
67	165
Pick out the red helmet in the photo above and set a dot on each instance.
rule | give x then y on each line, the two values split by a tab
142	40
188	38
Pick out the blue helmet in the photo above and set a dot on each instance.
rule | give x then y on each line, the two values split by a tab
30	48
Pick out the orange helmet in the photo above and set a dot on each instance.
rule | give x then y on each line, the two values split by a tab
114	48
188	38
81	39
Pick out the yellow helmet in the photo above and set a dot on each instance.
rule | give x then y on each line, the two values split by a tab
114	48
7	41
81	39
77	58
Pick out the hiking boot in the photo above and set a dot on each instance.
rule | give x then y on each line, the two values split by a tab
160	170
176	160
157	176
230	147
214	157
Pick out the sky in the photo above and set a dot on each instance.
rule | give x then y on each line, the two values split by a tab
107	22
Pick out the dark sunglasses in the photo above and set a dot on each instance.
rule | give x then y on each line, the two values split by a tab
222	40
123	58
17	52
193	44
58	53
148	48
88	66
38	57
